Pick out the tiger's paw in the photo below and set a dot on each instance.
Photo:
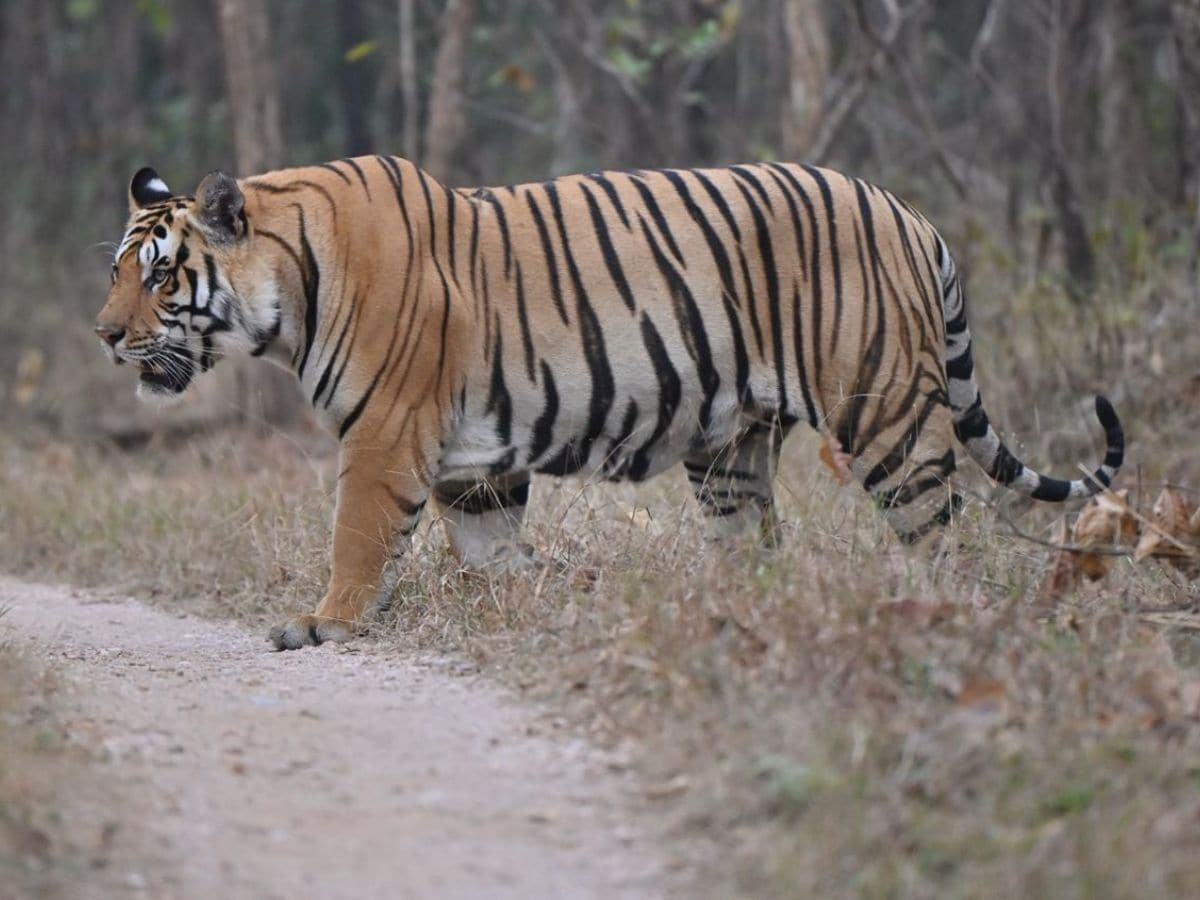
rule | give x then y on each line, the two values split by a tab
310	631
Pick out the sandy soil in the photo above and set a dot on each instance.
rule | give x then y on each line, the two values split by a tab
226	770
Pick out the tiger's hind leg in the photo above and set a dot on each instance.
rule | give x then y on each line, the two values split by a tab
483	520
735	485
910	479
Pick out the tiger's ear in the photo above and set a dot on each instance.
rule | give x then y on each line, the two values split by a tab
146	188
220	206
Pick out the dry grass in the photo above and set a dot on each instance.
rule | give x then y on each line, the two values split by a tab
235	525
831	718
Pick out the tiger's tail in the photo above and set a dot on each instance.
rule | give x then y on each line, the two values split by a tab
974	430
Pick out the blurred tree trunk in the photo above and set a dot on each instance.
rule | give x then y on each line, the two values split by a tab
270	394
1069	46
354	79
20	52
568	124
120	123
253	88
807	75
1117	96
446	124
1186	18
409	90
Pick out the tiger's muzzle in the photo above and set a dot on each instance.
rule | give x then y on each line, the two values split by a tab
165	369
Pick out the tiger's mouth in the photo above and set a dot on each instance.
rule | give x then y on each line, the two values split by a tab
166	374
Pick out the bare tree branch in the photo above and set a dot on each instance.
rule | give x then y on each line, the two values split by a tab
923	114
987	31
567	126
841	107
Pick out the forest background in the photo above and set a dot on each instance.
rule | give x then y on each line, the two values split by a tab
832	719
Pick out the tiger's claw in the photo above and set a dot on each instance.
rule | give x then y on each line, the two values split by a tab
309	631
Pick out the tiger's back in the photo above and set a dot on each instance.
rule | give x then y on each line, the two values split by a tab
685	305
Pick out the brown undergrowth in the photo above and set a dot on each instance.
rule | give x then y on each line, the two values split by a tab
35	860
833	717
830	718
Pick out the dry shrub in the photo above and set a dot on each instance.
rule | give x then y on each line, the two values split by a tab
236	525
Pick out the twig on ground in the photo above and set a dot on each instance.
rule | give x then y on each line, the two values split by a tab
1015	531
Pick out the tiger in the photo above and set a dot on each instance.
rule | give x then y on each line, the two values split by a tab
609	325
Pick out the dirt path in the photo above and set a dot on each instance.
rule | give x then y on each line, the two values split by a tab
230	771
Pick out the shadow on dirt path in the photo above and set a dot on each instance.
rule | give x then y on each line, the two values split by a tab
226	770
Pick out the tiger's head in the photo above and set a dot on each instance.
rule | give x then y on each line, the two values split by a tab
173	309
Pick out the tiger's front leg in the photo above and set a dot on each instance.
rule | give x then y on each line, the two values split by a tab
379	503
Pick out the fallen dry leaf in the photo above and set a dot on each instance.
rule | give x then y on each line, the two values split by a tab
1117	502
676	785
1171	533
920	614
1189	698
983	693
1171	515
31	368
836	458
1158	687
1104	522
1064	570
638	516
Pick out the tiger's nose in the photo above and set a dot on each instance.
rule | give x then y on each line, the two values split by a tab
110	333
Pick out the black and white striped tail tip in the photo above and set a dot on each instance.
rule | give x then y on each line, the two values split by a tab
1114	439
1114	435
1055	490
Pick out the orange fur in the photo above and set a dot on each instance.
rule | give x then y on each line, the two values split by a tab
616	323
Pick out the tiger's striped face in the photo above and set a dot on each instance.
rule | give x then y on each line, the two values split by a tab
171	310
